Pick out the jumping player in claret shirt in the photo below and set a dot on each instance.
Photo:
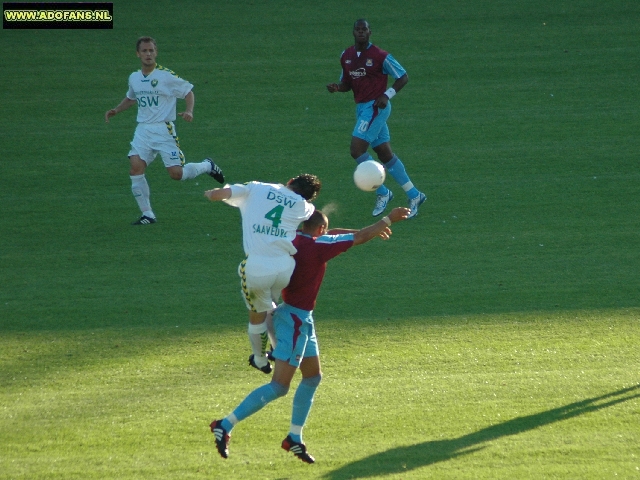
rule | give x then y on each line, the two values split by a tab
270	214
296	346
365	70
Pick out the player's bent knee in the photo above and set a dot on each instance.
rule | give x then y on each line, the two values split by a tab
312	381
279	389
175	174
137	165
357	152
137	170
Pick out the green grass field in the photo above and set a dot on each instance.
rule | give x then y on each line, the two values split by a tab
496	336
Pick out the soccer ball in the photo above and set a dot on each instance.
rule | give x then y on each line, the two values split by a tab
369	175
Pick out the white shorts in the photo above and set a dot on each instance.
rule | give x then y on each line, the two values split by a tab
262	279
151	139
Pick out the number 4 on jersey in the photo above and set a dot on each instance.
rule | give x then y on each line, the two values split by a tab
275	215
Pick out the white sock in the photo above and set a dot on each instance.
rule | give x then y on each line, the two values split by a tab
271	331
140	190
257	336
296	431
192	170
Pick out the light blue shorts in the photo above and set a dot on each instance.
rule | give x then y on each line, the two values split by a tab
371	123
295	334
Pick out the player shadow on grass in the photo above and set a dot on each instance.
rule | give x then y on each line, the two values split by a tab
403	459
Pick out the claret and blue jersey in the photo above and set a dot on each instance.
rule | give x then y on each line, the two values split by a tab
365	73
311	263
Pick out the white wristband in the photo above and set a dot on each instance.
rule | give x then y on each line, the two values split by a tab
390	92
387	220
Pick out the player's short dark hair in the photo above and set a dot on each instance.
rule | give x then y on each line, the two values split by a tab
316	220
361	20
306	185
145	40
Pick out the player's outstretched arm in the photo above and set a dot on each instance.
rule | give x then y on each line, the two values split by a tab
218	194
339	231
381	228
122	106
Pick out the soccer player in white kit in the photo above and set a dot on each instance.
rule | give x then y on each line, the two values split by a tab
156	89
270	214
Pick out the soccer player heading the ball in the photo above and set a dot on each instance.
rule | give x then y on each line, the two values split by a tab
365	69
296	343
270	215
155	89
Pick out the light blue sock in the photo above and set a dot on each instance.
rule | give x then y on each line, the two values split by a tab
302	401
396	169
382	190
363	158
253	402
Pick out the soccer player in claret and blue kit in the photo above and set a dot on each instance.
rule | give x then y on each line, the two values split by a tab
365	71
270	215
296	346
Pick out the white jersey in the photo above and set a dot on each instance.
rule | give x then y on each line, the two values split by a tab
156	94
271	213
